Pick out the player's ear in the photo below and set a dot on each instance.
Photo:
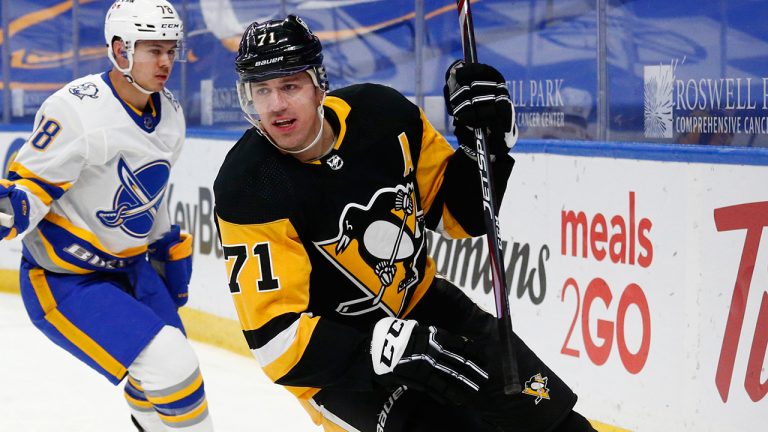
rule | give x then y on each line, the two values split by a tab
320	93
118	49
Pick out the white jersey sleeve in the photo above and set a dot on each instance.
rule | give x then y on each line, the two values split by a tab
50	162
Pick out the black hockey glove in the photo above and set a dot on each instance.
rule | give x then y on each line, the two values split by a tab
426	359
476	95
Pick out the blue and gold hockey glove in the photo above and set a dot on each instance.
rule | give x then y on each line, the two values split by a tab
14	204
477	97
171	256
427	359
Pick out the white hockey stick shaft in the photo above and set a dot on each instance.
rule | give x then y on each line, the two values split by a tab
6	220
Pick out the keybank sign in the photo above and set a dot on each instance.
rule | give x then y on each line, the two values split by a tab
714	105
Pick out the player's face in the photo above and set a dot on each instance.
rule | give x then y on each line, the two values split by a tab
287	108
152	63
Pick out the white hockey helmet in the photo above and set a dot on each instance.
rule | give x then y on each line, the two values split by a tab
135	20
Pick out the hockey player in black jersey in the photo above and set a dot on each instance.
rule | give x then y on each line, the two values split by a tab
322	208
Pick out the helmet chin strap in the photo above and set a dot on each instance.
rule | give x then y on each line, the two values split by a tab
318	137
136	85
127	71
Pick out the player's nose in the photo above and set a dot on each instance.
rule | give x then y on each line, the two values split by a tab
165	60
277	101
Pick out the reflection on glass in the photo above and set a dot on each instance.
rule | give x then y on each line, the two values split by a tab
674	72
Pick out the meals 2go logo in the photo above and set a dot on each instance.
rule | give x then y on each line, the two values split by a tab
621	239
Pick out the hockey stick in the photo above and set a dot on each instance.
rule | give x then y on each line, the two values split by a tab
498	278
6	220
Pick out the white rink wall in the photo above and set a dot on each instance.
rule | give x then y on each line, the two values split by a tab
636	314
640	332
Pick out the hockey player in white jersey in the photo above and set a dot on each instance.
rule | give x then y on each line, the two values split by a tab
103	270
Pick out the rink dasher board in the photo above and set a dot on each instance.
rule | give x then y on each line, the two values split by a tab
631	268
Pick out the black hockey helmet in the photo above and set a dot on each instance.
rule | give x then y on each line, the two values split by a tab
279	48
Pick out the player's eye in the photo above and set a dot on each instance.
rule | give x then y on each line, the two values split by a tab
261	92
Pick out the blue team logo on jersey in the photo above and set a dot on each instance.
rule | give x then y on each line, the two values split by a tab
138	198
87	89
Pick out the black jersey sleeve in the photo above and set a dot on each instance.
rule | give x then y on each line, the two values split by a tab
462	194
449	183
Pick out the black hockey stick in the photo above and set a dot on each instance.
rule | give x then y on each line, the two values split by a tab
498	278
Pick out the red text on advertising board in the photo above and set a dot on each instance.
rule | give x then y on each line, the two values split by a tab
752	217
598	289
625	242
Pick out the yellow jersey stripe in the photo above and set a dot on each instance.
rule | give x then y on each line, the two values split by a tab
342	110
429	274
91	238
25	172
284	363
36	190
11	234
452	226
302	393
430	171
42	290
138	111
58	261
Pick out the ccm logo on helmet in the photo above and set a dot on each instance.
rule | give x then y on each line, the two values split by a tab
170	26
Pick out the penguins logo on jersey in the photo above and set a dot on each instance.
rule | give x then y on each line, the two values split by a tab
376	248
86	89
137	198
537	387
